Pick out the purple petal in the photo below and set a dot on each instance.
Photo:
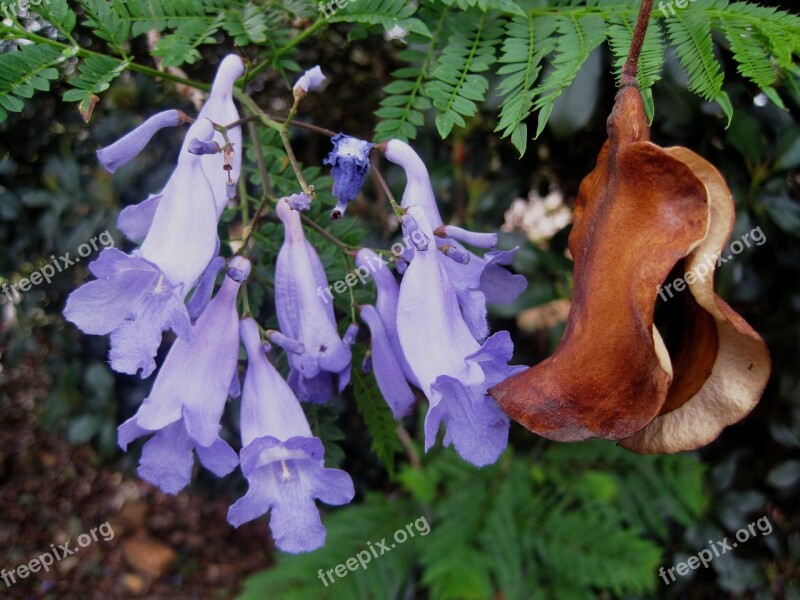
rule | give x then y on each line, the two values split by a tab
350	161
500	285
388	372
219	457
183	235
310	80
131	144
285	479
479	240
302	313
418	191
220	109
201	147
269	407
135	220
412	232
474	424
300	202
204	288
167	459
433	335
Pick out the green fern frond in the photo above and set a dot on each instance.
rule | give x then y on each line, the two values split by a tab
102	17
95	76
690	33
578	37
527	42
23	72
401	111
501	6
58	13
169	14
456	83
388	13
182	46
247	25
377	415
651	59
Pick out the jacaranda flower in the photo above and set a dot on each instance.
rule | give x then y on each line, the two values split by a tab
281	459
478	280
219	109
308	81
135	298
304	316
189	394
392	371
453	370
350	161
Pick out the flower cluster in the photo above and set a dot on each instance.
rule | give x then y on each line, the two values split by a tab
429	332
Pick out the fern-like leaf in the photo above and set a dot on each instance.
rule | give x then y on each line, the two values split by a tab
579	36
528	40
95	75
247	25
23	72
103	18
388	13
690	34
457	84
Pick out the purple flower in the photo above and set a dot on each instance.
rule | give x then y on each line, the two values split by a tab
133	301
300	202
350	161
219	109
305	317
309	81
453	370
477	280
189	394
131	144
281	459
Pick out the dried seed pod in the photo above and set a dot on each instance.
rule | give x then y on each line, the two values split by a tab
723	365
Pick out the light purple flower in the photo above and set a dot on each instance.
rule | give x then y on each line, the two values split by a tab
301	202
309	81
453	370
281	459
304	316
133	301
132	143
350	161
478	280
219	109
189	395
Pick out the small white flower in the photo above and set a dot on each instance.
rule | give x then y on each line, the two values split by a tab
309	81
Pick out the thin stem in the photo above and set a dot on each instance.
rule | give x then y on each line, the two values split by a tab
408	445
327	235
299	38
261	205
395	206
631	68
262	165
84	53
280	121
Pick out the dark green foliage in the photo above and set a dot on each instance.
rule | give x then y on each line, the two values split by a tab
551	525
23	73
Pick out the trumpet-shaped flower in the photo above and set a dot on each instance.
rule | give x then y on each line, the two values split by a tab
350	161
189	394
281	459
304	316
135	298
220	169
453	370
478	280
